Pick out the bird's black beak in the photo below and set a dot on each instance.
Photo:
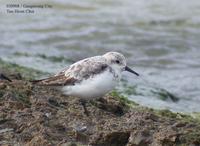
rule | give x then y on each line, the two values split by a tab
130	70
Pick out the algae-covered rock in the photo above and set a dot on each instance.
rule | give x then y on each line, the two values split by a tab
35	115
16	71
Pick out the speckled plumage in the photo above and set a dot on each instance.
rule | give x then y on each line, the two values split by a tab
90	77
76	72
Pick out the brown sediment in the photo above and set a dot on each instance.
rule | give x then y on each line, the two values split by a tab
39	116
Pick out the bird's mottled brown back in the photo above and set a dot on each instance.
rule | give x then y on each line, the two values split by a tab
75	73
58	80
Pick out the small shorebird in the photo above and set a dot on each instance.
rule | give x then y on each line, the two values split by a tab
89	78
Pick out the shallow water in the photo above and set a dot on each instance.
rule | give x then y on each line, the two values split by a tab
159	38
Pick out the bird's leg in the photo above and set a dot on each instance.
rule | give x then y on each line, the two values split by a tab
83	103
2	76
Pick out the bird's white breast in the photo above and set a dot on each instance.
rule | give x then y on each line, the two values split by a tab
93	87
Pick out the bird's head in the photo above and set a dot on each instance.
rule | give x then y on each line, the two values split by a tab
118	62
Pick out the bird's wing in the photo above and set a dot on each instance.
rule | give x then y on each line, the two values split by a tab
75	73
58	80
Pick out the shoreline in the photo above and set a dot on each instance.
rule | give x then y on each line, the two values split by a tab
34	115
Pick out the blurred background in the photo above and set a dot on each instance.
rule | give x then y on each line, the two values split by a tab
161	40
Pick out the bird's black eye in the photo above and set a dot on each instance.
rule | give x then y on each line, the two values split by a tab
117	61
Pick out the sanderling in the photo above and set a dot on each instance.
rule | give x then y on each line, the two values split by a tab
90	78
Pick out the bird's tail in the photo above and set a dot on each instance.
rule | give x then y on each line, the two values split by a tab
44	82
38	82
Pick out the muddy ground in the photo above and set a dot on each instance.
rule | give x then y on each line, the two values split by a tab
31	115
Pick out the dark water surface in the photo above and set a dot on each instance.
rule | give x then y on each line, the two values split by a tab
161	40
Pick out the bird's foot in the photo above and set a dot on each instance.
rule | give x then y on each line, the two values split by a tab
83	103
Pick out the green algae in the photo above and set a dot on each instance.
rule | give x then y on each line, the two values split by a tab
28	73
159	93
51	58
123	99
196	115
130	90
21	54
193	118
189	118
165	95
43	56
